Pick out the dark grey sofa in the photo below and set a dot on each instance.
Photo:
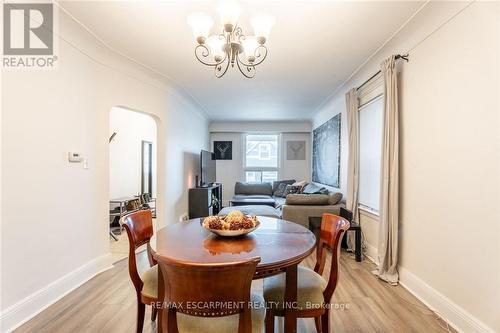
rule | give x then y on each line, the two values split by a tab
258	194
295	207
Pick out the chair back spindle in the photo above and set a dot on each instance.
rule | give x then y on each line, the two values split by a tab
333	228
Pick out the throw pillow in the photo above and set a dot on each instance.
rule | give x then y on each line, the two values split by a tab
302	184
280	191
291	189
286	182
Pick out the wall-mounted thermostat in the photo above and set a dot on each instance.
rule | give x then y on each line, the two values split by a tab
75	157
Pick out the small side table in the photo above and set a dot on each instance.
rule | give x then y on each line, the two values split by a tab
315	226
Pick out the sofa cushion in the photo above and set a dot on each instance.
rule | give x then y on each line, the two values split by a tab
251	196
307	199
291	189
300	213
277	183
280	191
253	188
335	198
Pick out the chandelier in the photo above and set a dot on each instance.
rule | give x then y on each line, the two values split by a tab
231	46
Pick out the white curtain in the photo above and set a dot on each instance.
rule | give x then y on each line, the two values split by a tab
352	104
389	178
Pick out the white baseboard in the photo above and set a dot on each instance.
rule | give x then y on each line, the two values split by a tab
457	317
17	314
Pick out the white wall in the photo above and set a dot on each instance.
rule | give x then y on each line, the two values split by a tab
261	126
449	153
231	171
125	151
54	214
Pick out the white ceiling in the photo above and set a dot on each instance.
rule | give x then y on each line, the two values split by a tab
313	48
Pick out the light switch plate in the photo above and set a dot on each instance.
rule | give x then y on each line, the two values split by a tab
74	157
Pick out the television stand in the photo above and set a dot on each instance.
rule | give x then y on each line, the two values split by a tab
205	201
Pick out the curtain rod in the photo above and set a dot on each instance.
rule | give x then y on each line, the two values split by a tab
398	56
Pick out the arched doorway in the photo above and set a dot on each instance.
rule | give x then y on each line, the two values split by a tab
132	170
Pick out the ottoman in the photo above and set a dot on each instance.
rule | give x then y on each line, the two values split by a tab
252	200
253	210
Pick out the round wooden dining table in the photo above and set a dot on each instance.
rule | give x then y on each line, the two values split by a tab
280	244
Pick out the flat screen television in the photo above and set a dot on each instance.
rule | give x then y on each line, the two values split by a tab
208	168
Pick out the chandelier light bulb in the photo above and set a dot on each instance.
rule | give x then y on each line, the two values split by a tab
229	13
250	44
216	45
262	27
201	24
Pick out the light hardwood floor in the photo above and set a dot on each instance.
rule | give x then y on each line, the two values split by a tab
107	304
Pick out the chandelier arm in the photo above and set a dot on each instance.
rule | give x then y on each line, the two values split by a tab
257	55
238	31
205	52
250	69
219	68
241	38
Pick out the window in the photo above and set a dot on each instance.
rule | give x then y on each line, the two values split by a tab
370	151
264	151
261	176
261	157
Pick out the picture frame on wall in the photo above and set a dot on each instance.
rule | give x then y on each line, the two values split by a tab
296	150
223	150
326	152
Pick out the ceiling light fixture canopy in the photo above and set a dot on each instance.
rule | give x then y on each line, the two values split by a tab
231	46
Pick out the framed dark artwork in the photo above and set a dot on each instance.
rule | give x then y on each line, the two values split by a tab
326	153
223	150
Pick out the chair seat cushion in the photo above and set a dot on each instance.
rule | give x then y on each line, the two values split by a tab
310	287
228	324
150	280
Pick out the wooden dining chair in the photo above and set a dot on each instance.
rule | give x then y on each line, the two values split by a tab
211	297
139	227
313	291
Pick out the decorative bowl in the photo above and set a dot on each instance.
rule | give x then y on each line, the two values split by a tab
231	233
